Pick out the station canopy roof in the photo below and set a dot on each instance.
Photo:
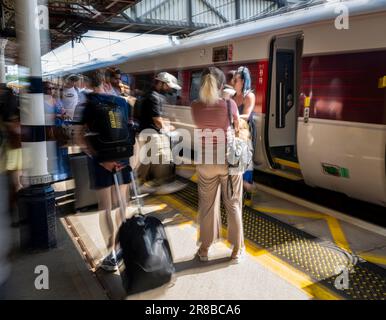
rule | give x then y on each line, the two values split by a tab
98	49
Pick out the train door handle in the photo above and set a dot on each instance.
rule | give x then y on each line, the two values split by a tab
281	123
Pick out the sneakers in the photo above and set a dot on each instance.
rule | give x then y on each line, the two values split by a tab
112	262
119	255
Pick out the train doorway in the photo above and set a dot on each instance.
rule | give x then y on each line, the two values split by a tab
283	106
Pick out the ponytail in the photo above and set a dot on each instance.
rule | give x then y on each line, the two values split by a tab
209	92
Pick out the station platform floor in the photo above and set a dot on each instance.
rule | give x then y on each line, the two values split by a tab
294	251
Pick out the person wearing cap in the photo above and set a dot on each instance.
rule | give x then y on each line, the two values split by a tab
71	91
151	108
151	118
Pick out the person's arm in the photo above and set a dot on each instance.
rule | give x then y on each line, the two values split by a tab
249	105
235	114
159	123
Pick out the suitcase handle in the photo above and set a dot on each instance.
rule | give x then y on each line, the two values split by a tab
119	195
136	195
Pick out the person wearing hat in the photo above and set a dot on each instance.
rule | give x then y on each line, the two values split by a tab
151	108
151	118
70	97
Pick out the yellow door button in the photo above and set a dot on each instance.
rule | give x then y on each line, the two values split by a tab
382	82
307	102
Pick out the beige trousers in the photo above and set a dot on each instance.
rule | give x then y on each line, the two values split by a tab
212	185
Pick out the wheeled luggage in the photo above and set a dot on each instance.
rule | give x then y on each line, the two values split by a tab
145	248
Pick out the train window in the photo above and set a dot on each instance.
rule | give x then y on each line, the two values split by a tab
195	85
172	97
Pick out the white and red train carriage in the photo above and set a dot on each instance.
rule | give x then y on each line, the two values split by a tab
321	91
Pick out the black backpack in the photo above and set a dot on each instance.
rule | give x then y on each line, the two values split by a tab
111	136
146	254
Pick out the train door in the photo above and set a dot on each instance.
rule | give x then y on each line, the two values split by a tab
282	109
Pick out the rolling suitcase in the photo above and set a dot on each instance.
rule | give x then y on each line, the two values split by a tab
145	248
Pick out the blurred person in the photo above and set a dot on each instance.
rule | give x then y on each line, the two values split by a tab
101	174
151	117
53	107
70	95
230	78
112	83
245	100
13	153
210	112
55	116
5	236
229	91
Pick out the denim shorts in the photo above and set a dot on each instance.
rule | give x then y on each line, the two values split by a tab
101	178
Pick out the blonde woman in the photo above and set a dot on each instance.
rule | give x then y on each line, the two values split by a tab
210	113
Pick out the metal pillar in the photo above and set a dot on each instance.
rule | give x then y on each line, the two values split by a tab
3	44
36	199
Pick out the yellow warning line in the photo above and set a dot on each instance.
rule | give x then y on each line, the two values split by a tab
287	163
284	270
333	224
374	258
337	233
313	215
284	174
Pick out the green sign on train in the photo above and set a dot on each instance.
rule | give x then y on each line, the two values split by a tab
336	171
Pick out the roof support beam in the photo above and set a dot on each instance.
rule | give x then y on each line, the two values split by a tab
214	10
189	12
238	9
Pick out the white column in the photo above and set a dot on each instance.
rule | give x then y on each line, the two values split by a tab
32	113
3	44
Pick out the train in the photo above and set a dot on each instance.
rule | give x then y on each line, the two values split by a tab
320	86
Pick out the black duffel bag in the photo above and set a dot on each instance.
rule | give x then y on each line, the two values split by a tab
146	254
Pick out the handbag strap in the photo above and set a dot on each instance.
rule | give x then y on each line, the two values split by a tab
230	190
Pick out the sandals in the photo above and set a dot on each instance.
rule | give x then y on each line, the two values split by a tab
203	254
238	256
